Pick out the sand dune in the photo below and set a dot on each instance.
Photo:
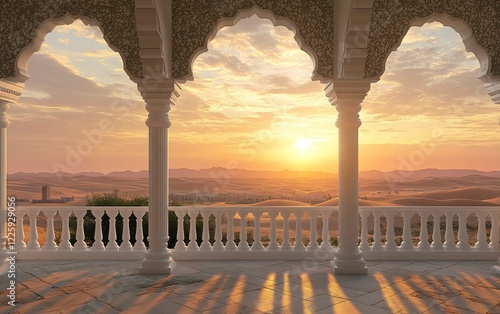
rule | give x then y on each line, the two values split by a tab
279	202
420	201
470	190
335	202
495	200
471	193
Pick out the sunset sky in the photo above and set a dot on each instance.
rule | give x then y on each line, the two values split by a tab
253	104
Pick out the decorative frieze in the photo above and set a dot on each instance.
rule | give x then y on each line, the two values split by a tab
10	91
21	20
391	19
194	20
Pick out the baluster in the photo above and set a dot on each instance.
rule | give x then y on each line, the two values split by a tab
313	233
50	244
436	232
80	235
257	244
325	235
449	236
463	243
205	244
139	235
192	245
112	245
230	245
33	237
20	244
65	245
180	245
377	237
424	244
390	245
243	246
298	245
365	245
407	245
273	244
126	245
286	245
495	226
98	245
218	246
482	241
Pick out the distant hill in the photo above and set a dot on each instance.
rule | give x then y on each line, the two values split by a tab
219	172
211	173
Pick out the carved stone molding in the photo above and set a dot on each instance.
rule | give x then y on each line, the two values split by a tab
20	22
10	91
391	20
195	20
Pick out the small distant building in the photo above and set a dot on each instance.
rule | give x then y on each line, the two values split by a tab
45	192
46	197
67	199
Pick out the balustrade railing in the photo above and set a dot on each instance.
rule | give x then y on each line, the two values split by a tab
430	232
79	232
251	232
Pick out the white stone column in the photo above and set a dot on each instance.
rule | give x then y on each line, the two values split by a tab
347	96
159	96
493	89
4	123
9	94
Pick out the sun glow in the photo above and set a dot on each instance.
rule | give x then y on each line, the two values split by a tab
303	144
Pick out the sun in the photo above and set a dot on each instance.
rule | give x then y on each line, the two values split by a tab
303	144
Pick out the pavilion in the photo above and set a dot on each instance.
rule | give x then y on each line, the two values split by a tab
158	40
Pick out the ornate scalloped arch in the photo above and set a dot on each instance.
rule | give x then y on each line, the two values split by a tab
24	25
196	22
477	21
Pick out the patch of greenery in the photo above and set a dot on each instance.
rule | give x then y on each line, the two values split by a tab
97	199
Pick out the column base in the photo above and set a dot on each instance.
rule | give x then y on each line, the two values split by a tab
349	264
157	264
157	267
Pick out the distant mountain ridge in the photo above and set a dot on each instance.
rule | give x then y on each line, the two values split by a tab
219	172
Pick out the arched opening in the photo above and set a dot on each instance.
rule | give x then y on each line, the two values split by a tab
430	127
253	112
80	117
77	90
255	74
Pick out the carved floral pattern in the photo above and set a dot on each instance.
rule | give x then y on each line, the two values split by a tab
391	20
20	20
194	20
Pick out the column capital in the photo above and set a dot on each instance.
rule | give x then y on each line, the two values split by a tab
493	89
159	95
347	96
347	91
10	91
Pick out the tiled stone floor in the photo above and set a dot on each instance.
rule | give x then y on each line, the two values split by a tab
254	287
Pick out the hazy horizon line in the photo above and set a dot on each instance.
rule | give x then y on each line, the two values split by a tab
253	170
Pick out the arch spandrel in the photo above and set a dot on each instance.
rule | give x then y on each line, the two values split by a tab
477	21
195	21
22	24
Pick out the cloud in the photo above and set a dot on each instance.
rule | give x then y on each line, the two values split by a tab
104	53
